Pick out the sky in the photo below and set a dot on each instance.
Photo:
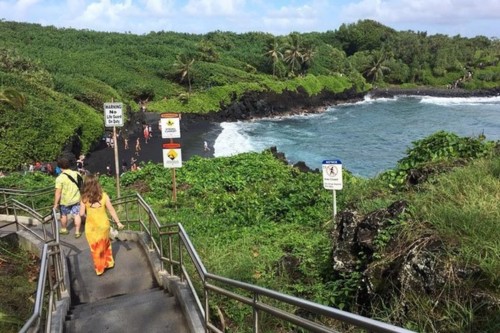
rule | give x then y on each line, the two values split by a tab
468	18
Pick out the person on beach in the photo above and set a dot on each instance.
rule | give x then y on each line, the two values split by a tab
205	146
146	133
124	166
67	196
125	140
137	146
95	204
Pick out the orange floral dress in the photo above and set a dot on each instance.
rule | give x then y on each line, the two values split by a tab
97	234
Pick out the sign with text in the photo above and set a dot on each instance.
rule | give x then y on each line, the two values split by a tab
172	156
332	174
170	125
113	114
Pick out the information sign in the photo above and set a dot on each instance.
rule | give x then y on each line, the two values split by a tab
113	115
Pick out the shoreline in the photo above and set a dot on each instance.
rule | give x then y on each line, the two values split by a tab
197	128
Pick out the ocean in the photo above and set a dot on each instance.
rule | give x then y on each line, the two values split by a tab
369	137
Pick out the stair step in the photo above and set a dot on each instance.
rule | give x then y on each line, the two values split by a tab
153	311
127	300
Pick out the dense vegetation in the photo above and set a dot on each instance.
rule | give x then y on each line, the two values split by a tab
18	274
53	82
256	219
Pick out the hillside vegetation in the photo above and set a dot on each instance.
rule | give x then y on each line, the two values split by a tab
417	246
53	82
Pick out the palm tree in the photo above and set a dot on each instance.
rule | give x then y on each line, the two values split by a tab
12	97
183	66
375	71
308	54
274	53
293	53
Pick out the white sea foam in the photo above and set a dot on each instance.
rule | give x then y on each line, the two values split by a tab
445	101
231	141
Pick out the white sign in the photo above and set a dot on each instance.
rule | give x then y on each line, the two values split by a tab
113	115
170	126
332	174
172	156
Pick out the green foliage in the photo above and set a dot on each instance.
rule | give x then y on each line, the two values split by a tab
439	147
17	285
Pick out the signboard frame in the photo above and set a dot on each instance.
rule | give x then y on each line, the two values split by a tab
113	114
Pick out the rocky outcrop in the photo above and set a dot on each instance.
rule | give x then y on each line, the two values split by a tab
254	104
420	267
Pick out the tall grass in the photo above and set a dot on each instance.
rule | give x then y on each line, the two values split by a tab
463	207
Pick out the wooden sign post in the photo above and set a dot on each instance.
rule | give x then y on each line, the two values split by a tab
172	154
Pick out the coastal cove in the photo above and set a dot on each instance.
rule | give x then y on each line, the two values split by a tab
228	132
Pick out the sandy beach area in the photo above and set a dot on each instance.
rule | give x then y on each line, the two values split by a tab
193	135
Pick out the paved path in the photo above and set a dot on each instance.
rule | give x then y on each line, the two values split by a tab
125	298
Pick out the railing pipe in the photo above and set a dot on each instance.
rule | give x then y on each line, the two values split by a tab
39	292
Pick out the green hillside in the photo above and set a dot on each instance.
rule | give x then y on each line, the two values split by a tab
53	82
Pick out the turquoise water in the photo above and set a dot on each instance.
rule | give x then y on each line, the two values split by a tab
368	137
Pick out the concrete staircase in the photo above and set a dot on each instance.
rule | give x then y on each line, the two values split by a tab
146	311
125	298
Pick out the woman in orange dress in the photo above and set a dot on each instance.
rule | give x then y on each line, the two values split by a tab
94	203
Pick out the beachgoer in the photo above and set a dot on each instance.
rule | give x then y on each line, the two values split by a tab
67	196
79	164
124	166
146	133
137	146
205	146
94	204
49	169
126	143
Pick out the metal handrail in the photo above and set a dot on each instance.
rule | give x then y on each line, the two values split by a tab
50	261
51	274
185	245
8	193
149	223
13	207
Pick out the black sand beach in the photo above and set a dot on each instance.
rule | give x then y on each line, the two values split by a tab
193	134
197	128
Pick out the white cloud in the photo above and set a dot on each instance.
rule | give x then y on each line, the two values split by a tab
159	7
287	18
421	11
106	14
214	7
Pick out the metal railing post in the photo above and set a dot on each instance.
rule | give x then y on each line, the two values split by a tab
255	313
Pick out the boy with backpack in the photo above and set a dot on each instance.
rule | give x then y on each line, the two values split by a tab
67	196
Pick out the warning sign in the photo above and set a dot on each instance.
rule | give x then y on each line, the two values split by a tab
172	156
332	174
113	114
170	126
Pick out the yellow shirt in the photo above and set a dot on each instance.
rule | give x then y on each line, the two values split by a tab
70	193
